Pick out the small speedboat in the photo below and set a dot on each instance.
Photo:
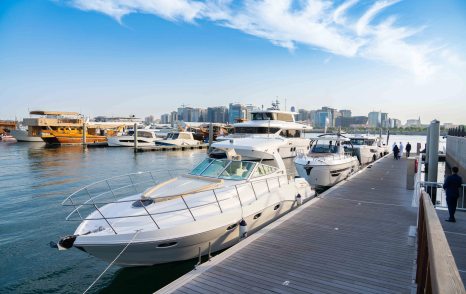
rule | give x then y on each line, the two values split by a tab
206	210
327	162
145	137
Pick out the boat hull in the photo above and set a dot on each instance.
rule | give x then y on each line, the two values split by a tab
147	253
22	136
325	176
73	140
126	142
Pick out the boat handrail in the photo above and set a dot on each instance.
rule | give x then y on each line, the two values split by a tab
187	207
116	177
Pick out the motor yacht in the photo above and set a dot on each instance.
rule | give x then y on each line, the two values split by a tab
179	139
367	148
212	207
273	123
327	162
145	138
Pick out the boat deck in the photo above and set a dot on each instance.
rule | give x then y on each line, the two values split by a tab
354	238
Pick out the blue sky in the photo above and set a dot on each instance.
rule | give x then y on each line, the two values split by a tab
120	57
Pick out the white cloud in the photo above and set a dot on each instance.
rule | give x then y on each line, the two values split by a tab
316	23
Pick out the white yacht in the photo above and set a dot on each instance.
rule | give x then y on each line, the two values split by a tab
145	138
179	139
209	209
327	163
22	135
273	123
367	148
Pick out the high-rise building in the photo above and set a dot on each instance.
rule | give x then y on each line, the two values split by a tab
384	123
173	117
374	119
236	112
303	115
185	113
352	121
322	118
198	114
165	118
345	112
217	114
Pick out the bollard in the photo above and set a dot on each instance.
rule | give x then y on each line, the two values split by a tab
434	136
418	148
411	173
84	134
135	136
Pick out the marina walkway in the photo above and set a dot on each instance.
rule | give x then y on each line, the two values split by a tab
456	237
351	239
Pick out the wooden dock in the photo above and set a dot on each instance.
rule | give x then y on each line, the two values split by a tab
354	238
170	148
456	237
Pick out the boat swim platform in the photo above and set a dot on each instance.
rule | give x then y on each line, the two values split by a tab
170	148
353	238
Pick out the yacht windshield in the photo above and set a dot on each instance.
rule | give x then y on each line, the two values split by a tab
224	169
362	141
263	116
173	136
324	148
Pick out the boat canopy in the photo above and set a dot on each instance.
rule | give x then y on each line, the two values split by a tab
57	113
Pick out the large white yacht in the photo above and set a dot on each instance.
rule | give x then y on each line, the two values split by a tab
209	209
327	163
367	148
274	123
145	137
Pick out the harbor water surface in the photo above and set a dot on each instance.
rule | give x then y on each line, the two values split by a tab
34	179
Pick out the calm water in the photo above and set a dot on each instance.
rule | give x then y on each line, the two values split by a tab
33	182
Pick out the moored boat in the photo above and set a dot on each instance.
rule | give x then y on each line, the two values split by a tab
327	162
206	210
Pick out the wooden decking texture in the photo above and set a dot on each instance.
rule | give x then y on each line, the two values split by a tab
456	237
354	239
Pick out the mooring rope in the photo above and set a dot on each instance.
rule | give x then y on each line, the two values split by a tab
119	254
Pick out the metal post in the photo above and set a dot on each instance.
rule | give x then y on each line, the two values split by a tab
211	135
188	207
426	158
239	198
433	155
215	195
135	136
253	190
84	134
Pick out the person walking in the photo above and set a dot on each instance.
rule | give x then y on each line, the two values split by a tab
401	150
408	149
452	186
396	151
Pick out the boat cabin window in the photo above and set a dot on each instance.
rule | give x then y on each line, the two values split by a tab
324	148
362	141
263	170
172	136
263	116
145	134
290	133
256	130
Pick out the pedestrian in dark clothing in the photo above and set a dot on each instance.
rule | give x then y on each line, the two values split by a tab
396	151
408	149
452	188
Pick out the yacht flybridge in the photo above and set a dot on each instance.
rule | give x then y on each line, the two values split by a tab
274	123
327	163
206	210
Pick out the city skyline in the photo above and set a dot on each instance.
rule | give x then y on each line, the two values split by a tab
147	57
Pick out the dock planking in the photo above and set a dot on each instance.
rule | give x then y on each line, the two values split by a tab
351	239
456	237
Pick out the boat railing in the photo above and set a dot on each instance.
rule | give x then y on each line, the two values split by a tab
436	188
94	201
